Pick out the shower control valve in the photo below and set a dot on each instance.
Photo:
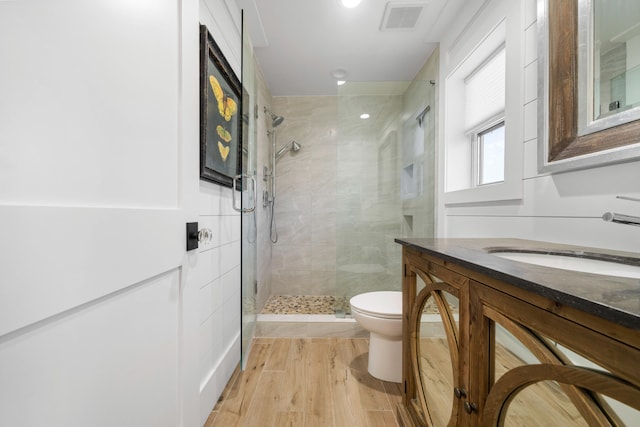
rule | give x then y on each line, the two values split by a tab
266	174
266	199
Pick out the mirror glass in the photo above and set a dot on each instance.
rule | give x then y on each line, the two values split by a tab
547	402
616	57
435	362
543	403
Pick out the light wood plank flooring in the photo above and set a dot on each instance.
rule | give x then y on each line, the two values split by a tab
306	382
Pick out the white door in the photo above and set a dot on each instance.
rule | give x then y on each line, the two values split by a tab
98	127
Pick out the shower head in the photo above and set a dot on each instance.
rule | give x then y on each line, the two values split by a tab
293	146
275	120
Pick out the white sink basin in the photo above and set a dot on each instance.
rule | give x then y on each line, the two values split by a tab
573	263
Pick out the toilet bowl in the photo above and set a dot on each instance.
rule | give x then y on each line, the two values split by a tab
380	313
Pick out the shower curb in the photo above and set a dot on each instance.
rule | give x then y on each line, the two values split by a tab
307	325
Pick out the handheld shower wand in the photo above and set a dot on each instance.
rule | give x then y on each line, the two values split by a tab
293	146
275	122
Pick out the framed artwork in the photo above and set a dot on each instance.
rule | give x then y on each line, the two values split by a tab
220	115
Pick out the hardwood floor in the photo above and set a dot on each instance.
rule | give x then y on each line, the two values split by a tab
306	382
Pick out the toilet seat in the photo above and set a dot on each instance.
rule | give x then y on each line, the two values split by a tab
382	304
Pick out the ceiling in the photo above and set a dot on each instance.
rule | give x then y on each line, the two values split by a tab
298	43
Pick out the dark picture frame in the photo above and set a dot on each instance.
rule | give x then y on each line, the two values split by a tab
220	115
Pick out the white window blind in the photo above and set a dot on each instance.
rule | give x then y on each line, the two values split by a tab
485	91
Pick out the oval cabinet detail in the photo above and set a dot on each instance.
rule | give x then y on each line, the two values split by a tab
434	347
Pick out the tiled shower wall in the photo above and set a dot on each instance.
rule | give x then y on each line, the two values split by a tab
304	258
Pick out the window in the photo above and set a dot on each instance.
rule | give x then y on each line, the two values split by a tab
484	118
482	132
490	149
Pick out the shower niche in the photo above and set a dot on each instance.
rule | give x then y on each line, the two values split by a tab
417	173
413	156
412	180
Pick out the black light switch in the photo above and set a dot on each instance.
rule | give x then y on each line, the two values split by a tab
192	236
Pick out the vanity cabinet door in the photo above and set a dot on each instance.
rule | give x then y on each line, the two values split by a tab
478	351
541	369
434	344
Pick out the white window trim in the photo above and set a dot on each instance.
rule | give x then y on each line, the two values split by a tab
494	25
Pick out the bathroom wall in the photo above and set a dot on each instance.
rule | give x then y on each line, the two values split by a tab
218	272
564	207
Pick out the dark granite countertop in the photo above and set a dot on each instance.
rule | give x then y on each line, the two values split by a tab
613	298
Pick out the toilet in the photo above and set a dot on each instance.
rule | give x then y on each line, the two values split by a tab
380	313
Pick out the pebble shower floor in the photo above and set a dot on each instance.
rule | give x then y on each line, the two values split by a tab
305	304
320	304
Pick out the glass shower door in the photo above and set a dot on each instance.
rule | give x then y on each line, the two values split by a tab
249	231
385	181
369	207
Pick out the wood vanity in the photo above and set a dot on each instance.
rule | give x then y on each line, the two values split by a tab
490	341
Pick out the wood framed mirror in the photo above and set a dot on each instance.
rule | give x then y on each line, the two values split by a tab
562	145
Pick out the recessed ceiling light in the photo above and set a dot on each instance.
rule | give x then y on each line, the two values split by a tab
350	3
341	82
339	74
364	116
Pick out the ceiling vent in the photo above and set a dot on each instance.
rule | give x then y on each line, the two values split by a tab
401	16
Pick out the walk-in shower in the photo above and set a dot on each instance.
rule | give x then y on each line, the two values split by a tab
356	186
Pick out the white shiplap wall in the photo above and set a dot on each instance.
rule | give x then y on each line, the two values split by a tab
218	279
218	272
563	207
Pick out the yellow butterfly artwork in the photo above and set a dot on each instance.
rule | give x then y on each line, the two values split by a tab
226	106
223	133
224	151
